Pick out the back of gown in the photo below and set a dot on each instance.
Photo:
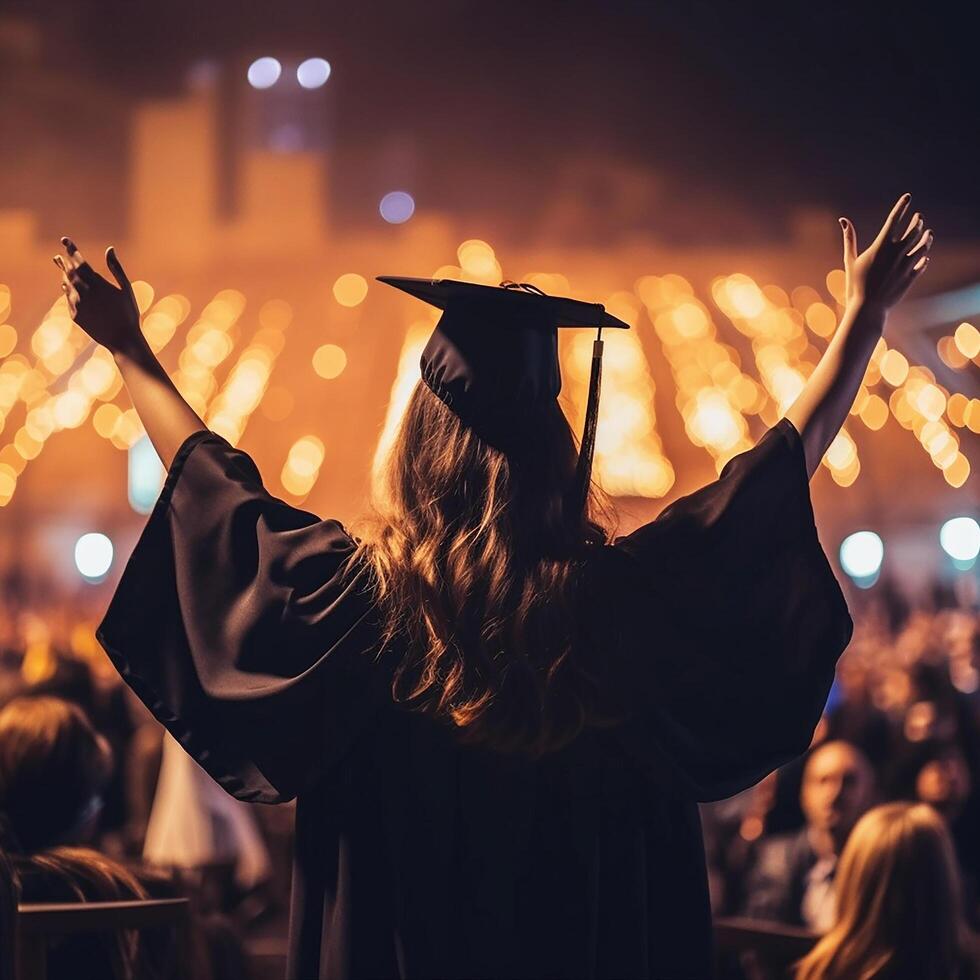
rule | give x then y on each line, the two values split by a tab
433	860
717	627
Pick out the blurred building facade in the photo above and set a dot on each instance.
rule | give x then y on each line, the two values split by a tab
267	312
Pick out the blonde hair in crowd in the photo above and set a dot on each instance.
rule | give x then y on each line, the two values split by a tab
898	902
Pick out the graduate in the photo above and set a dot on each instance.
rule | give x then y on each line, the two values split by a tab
496	722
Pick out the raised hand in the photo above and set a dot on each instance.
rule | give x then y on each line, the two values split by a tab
881	275
876	280
107	313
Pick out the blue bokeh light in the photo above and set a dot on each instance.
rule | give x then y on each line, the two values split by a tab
397	207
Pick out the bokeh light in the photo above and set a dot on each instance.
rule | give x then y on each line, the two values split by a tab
313	73
397	207
960	539
93	555
264	73
350	289
967	339
329	361
302	466
861	555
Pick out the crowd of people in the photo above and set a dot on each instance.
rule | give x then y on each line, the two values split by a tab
871	840
901	732
97	804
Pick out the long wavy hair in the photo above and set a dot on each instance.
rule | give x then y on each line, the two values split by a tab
899	913
477	558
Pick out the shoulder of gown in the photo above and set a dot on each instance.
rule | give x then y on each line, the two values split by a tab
241	626
726	622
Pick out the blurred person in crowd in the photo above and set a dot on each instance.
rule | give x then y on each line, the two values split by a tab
898	904
53	769
943	780
792	880
496	719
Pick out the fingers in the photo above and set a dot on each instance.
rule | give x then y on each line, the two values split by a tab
915	269
915	265
75	258
71	294
921	251
894	219
70	275
914	229
77	261
915	245
850	241
115	267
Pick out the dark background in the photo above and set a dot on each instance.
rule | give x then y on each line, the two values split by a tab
742	111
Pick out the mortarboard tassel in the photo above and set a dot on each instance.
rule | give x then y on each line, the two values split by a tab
583	474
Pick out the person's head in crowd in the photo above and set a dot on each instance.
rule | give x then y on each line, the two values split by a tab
837	788
898	903
53	766
943	781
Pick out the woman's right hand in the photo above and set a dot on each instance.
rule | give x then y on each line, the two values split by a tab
107	313
881	275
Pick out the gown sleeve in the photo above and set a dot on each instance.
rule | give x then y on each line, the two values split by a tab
730	623
236	624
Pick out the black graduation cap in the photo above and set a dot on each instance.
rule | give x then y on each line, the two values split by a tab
493	357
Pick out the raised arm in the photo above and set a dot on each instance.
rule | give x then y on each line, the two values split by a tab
876	280
110	316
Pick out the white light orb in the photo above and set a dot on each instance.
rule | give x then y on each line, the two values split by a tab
264	73
313	73
397	207
861	554
93	555
960	538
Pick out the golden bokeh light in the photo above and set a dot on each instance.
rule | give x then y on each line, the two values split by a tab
350	289
967	340
143	292
821	319
958	471
950	354
8	338
26	444
874	412
302	466
971	415
956	408
329	361
104	419
407	377
478	263
836	283
894	367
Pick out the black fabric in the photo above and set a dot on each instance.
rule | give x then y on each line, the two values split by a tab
719	626
495	368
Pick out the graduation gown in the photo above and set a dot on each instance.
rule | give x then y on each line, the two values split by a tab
719	626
